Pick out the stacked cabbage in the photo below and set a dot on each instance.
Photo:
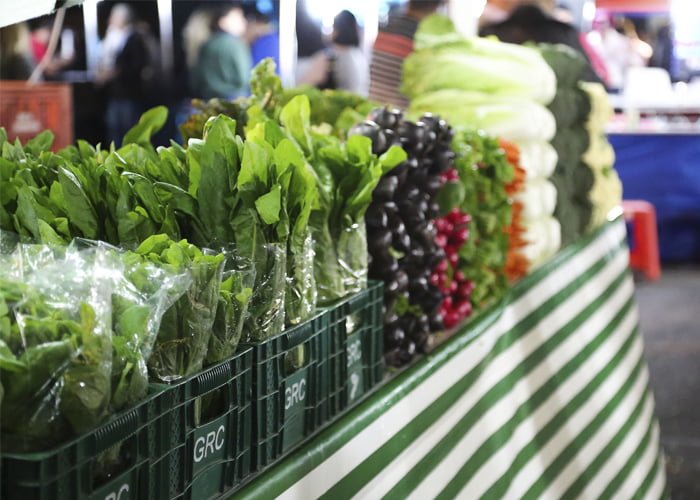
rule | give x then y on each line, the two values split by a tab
502	89
571	107
606	193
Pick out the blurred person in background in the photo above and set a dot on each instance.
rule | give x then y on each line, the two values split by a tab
195	33
663	49
314	62
263	38
39	39
393	44
223	63
350	65
496	11
534	21
614	48
15	52
124	65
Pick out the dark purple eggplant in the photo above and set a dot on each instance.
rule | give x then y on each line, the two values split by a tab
402	243
433	184
376	217
433	211
390	316
444	160
436	321
385	188
374	132
392	210
394	335
379	241
407	352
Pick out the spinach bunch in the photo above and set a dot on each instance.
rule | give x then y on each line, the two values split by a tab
186	328
55	353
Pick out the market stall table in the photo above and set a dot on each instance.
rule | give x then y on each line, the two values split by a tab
545	395
662	168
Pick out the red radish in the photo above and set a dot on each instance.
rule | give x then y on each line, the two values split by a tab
464	308
447	303
441	240
454	287
454	259
450	319
442	266
459	276
463	292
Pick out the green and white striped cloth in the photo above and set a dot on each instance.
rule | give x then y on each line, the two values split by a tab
545	396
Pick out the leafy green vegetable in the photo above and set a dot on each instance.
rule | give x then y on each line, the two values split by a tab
186	328
446	60
55	354
484	172
348	174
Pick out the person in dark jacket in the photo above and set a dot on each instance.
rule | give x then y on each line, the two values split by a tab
532	21
124	64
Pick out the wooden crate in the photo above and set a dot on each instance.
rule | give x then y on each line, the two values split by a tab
27	109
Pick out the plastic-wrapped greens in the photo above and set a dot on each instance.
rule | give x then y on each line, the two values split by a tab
267	305
235	295
301	294
76	330
186	329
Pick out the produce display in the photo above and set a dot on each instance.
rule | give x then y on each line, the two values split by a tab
502	89
401	231
606	192
125	266
572	178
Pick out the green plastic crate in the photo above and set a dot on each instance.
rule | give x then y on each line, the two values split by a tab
70	471
287	389
215	453
356	348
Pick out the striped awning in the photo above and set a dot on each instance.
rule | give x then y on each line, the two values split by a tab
544	396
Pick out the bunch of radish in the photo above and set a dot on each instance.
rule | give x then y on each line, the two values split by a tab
452	234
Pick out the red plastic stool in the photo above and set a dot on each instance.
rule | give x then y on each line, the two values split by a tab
644	253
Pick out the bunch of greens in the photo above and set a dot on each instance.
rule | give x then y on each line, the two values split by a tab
186	328
444	59
77	327
338	108
348	174
55	351
484	173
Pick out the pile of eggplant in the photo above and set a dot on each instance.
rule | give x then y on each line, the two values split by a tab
401	232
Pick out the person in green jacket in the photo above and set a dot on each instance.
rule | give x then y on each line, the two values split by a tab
224	62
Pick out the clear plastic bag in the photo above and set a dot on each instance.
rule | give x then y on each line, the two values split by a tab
143	292
342	269
235	295
352	258
185	332
301	295
266	310
143	296
55	344
77	326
